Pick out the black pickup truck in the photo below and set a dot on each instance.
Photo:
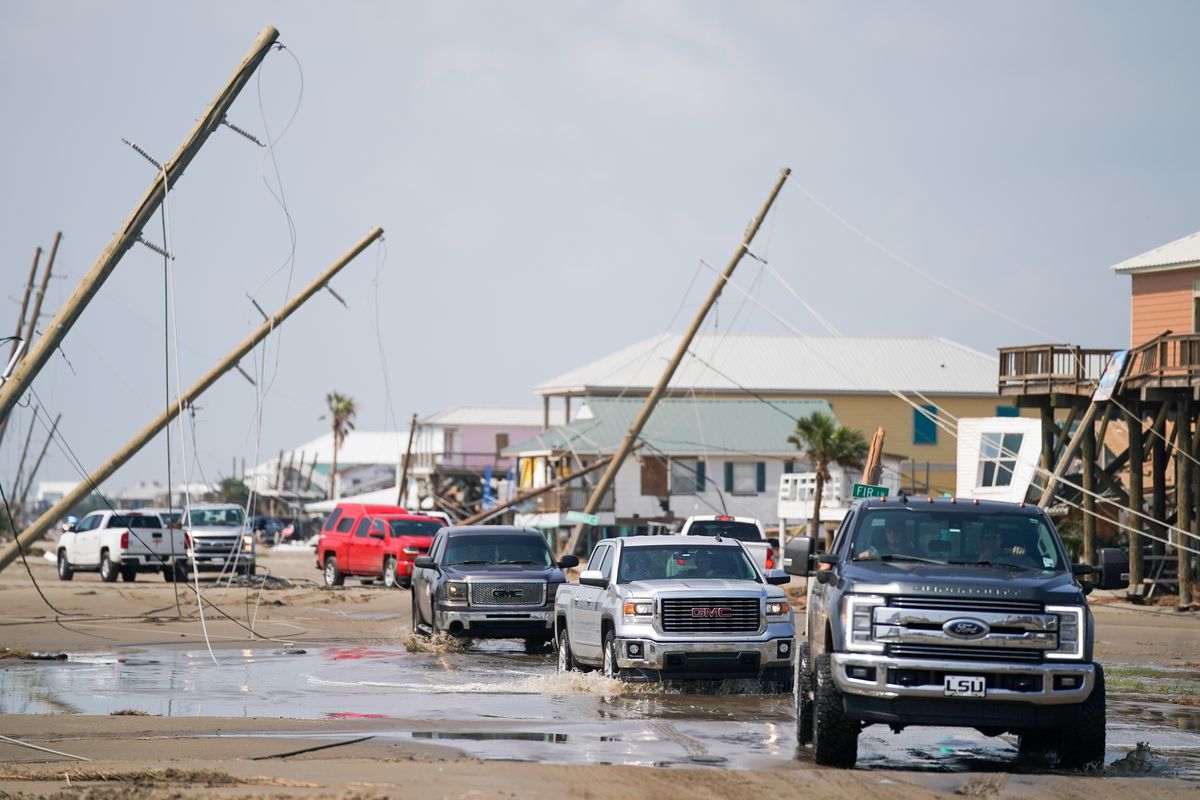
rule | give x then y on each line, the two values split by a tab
948	612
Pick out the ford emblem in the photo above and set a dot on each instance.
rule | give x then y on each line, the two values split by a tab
966	629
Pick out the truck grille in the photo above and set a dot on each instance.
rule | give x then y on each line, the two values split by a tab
508	593
967	604
711	615
215	547
952	653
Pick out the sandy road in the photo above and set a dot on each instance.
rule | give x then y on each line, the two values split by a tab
212	756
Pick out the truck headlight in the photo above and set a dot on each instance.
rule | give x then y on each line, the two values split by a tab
247	543
858	613
1070	632
456	590
638	608
778	608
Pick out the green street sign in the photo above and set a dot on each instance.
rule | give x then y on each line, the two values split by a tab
869	490
579	516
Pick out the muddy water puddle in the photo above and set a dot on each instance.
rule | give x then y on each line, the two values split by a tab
495	702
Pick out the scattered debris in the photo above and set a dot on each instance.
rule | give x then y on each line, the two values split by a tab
14	652
983	786
289	650
147	777
47	656
1141	760
313	748
129	712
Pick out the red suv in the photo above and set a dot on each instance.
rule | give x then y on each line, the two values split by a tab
373	541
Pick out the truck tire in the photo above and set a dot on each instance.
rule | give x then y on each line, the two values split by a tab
1083	745
108	570
65	573
389	573
128	573
835	738
611	670
566	659
804	695
416	616
333	576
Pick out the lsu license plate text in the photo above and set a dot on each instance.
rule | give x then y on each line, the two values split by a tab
965	686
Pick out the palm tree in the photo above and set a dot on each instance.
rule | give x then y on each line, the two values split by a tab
826	442
341	410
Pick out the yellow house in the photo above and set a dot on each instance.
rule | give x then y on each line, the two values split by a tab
858	376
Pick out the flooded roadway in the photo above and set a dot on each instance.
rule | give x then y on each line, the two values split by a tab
495	702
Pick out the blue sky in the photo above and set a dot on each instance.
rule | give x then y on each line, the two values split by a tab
549	176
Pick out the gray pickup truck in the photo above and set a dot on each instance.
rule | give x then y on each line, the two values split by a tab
652	608
955	613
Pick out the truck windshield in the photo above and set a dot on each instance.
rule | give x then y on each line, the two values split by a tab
497	549
962	536
216	517
411	527
742	531
658	563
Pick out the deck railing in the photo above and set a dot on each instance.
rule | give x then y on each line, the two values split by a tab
1044	368
1168	360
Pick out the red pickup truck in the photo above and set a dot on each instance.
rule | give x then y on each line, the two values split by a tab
373	542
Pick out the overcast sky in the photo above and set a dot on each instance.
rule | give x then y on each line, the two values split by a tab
549	176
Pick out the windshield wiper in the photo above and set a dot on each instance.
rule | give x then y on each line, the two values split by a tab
470	563
897	557
1005	564
537	563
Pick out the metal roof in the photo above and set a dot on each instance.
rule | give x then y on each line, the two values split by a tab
1179	254
494	416
789	364
681	427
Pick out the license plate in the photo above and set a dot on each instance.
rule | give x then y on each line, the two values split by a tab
965	686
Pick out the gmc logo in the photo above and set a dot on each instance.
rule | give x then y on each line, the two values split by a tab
708	613
501	594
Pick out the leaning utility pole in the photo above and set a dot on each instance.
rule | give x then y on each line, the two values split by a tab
475	519
92	482
684	343
129	232
412	434
37	307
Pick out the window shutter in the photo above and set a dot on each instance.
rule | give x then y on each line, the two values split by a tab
760	476
729	476
701	478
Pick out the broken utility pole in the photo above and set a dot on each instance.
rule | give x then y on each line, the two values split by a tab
129	232
874	466
412	434
92	482
475	519
684	343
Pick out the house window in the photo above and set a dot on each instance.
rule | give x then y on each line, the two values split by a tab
1007	411
925	425
687	475
654	476
998	459
745	477
501	443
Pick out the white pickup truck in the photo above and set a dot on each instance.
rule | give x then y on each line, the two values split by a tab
746	530
122	543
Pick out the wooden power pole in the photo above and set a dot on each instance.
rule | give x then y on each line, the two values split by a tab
129	232
92	482
684	343
403	490
874	466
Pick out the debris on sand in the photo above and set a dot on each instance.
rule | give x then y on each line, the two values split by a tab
129	712
438	643
1141	760
14	652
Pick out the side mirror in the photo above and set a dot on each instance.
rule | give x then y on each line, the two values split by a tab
777	577
566	562
1114	568
425	562
593	577
67	527
797	556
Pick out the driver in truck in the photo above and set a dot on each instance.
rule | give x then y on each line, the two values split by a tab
891	541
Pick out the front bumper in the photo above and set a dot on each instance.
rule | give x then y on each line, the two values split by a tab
208	562
888	689
496	624
770	655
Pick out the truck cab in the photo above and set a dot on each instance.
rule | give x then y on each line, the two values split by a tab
946	612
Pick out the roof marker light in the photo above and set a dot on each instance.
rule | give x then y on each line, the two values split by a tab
975	501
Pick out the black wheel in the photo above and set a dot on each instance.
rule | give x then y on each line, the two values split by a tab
128	574
535	647
566	660
108	570
835	738
611	669
804	695
389	573
1083	745
333	576
250	570
65	573
178	572
416	616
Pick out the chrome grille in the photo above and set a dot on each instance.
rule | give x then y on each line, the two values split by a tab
508	593
215	547
951	653
967	604
710	615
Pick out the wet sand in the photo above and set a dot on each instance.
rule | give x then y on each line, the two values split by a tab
414	753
